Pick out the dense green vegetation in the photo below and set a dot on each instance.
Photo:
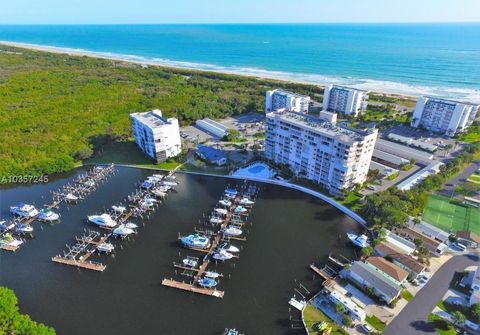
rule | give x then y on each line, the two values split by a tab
14	323
56	110
472	134
391	208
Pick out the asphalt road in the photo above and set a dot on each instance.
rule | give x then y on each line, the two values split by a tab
461	177
413	319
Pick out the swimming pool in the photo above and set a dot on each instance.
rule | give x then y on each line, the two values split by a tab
256	168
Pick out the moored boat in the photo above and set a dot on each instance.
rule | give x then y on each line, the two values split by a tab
221	211
216	220
130	225
240	209
70	197
195	241
190	262
24	210
228	247
119	209
105	247
48	215
212	274
24	228
360	241
246	202
232	231
222	255
207	282
122	231
103	220
226	203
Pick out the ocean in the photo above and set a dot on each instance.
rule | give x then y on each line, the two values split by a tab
413	59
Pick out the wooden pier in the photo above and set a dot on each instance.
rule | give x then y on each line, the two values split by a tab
191	288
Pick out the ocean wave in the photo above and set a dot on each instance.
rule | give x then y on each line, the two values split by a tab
389	87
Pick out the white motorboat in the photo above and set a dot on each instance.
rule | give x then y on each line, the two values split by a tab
233	231
103	220
122	231
190	262
360	241
24	228
246	202
154	178
70	197
89	183
169	183
221	211
207	282
228	247
130	225
216	220
226	203
195	241
212	274
146	204
231	191
119	209
105	247
222	255
48	215
4	226
240	209
159	193
164	188
24	210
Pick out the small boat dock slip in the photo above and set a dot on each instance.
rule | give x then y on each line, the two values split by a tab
115	222
25	214
229	219
79	254
191	288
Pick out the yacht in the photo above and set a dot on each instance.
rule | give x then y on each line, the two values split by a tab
207	282
228	247
4	226
24	210
233	231
246	202
358	240
146	204
221	211
119	209
190	262
24	228
226	203
159	193
164	188
231	191
70	197
48	215
222	255
169	183
240	209
212	274
195	241
103	220
105	247
216	220
122	231
130	225
89	183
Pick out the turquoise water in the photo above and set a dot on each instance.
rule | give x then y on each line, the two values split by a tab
256	169
440	59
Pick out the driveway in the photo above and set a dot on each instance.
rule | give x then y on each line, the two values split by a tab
413	319
450	185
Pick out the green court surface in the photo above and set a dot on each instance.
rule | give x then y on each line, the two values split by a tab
451	217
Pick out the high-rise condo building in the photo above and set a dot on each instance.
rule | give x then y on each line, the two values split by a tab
280	99
336	157
157	136
443	116
344	100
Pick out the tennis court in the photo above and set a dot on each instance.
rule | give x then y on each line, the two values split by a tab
451	217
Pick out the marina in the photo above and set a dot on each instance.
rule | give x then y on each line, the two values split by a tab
216	248
283	228
24	215
116	223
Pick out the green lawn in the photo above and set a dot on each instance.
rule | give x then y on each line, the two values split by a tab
312	316
407	295
441	326
352	201
451	217
376	322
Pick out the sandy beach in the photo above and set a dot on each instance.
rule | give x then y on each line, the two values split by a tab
379	87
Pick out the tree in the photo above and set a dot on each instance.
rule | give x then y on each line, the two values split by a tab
339	308
371	291
347	321
458	318
367	252
418	242
475	312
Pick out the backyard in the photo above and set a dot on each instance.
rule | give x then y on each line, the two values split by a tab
451	217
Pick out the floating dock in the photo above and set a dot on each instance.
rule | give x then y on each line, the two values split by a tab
195	289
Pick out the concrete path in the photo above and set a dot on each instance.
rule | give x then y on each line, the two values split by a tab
413	319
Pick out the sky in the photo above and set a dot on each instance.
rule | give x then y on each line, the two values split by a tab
235	11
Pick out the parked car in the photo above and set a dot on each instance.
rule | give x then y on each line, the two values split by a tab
365	327
371	188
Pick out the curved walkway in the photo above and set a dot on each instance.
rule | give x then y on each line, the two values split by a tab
316	194
413	319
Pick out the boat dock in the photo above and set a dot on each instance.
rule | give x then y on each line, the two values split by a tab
82	186
86	245
216	238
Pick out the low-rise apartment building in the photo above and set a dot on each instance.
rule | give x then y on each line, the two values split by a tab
335	157
158	137
280	99
345	100
388	269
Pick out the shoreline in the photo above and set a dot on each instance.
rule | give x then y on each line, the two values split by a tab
375	86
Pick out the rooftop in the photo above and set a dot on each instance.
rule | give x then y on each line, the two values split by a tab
348	88
152	119
387	267
375	279
297	95
210	153
447	101
319	125
406	260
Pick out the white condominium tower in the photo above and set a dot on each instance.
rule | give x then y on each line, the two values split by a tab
443	116
336	157
279	99
157	136
344	100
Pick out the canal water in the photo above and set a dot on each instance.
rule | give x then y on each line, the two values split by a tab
289	231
